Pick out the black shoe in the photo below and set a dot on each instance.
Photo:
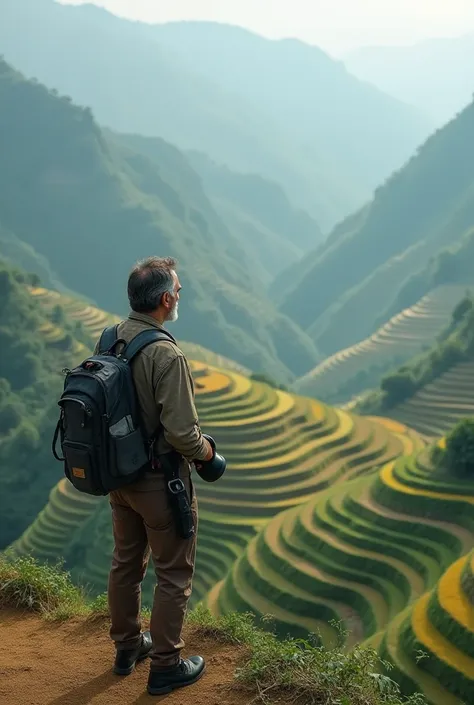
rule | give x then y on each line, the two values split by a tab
186	672
126	659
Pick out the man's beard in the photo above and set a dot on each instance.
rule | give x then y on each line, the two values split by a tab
173	314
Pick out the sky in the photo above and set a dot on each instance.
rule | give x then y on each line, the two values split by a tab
335	25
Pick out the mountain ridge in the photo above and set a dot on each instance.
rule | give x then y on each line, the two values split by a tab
62	160
418	211
153	91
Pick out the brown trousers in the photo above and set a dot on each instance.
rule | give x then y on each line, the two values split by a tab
143	525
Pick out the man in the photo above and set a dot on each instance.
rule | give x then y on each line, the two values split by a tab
142	519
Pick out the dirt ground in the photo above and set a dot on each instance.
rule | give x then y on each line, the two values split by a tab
71	664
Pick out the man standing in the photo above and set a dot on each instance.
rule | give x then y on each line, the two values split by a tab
142	519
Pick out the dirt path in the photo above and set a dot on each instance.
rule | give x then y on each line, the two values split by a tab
71	664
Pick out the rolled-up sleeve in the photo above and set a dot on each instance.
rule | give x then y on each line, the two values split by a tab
178	417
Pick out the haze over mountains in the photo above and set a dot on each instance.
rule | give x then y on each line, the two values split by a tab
95	205
347	287
281	109
435	75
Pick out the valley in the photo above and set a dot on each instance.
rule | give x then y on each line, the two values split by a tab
323	228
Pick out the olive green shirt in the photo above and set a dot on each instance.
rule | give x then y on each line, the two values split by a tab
165	390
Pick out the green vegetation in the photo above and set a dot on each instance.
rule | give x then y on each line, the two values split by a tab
354	370
455	345
266	379
452	265
359	271
457	456
359	555
269	667
47	589
264	228
56	159
34	350
430	646
312	446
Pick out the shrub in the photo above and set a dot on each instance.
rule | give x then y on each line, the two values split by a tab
296	669
463	307
266	379
399	386
457	457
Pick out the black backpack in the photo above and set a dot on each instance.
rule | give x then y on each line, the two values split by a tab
103	442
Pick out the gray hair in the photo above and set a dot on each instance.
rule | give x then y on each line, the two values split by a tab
149	279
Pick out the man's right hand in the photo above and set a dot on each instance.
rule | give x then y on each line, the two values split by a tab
210	451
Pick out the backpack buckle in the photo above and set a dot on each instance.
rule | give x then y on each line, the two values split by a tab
176	486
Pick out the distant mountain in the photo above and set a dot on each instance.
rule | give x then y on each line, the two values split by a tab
281	109
360	132
91	206
258	210
436	75
347	283
257	213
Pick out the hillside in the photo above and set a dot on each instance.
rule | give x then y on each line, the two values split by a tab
439	625
41	333
434	390
434	75
451	265
41	611
356	369
347	284
269	227
312	446
36	345
361	553
56	159
262	223
134	83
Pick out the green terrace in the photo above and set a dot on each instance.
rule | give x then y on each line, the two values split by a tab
431	644
438	406
312	446
352	370
358	553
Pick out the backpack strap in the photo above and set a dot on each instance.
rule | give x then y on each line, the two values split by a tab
143	339
108	338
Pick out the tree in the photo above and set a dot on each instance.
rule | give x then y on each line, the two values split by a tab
458	457
399	386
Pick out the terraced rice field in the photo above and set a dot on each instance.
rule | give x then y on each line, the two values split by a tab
94	320
402	337
358	553
436	408
441	626
281	449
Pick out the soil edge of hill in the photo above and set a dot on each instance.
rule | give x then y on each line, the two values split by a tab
70	663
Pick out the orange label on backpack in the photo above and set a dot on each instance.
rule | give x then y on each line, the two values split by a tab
79	472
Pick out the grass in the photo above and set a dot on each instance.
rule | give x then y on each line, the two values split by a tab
48	590
294	670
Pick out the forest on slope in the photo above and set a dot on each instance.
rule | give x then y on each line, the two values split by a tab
95	206
281	109
30	382
343	287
